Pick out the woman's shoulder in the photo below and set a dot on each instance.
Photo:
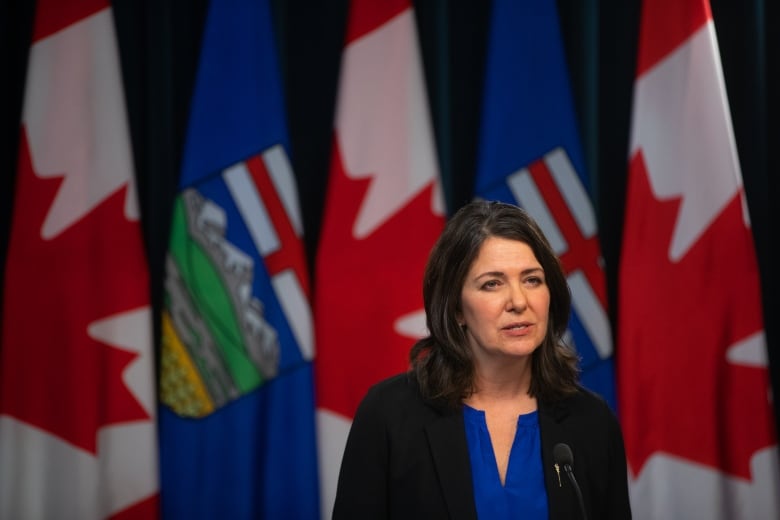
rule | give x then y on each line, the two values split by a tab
395	383
583	405
587	417
397	389
587	398
398	394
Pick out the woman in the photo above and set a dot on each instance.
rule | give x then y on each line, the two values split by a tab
471	430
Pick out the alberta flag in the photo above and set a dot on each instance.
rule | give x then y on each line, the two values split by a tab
693	385
530	155
237	415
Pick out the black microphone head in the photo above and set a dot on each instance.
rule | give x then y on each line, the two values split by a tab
562	454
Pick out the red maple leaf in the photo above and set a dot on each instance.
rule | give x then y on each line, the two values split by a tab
54	376
678	392
363	287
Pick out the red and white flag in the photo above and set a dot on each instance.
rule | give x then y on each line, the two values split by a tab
694	396
77	404
383	212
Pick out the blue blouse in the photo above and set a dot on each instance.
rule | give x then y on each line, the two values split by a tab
523	494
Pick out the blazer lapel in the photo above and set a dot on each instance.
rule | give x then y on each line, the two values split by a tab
447	441
561	497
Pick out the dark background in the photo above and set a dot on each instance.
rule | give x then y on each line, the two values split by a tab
159	42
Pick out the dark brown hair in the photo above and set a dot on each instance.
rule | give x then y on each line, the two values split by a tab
442	362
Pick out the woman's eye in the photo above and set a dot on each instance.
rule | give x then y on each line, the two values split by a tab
491	284
534	280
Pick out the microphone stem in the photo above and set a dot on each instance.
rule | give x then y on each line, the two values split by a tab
576	487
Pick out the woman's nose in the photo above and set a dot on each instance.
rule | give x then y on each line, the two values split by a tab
516	300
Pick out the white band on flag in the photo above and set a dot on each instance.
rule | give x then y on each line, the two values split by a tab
281	173
524	189
591	313
296	308
572	190
253	211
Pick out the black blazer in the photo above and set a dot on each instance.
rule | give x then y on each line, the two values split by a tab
405	458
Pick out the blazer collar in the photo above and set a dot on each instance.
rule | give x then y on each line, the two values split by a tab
552	426
448	445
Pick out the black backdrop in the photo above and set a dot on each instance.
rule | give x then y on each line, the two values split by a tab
159	42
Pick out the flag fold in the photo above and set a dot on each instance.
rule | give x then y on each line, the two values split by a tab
383	212
236	380
78	430
693	379
530	155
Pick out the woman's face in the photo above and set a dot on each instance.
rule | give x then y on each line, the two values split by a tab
505	302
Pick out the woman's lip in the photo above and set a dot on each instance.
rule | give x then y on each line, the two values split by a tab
518	329
517	326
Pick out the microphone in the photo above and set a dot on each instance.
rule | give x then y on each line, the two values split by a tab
562	456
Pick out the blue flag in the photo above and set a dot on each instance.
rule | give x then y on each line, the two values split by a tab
237	433
530	155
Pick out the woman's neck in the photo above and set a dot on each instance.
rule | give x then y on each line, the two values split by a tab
502	386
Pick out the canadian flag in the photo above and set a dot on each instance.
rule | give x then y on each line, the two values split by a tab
77	403
692	377
383	212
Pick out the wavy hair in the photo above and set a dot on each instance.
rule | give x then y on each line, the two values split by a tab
443	362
